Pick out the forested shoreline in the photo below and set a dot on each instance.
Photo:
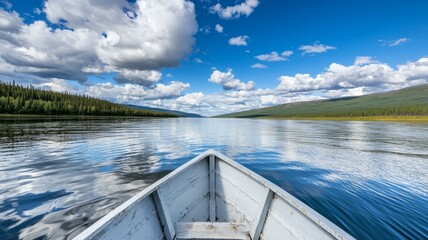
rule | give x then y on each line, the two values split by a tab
18	99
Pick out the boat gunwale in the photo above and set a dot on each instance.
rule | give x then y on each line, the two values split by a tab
308	212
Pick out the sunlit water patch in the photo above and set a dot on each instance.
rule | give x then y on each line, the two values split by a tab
58	177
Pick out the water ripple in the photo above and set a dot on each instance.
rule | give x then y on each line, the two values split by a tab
58	177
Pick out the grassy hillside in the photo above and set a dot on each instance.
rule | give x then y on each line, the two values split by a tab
412	101
16	99
178	113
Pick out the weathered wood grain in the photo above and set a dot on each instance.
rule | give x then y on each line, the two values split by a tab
212	173
212	230
140	220
261	217
284	220
186	190
164	216
241	194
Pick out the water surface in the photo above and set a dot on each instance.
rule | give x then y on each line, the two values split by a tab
57	177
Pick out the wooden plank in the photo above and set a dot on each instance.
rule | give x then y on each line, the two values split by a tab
227	212
164	216
186	191
242	194
212	230
141	219
199	211
286	221
261	218
212	189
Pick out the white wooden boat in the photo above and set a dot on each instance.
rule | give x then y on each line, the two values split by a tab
213	197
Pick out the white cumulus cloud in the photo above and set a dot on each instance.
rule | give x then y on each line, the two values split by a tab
192	99
58	85
219	28
363	73
41	51
239	41
315	48
269	99
363	60
227	79
141	77
120	36
9	21
235	100
274	56
230	12
134	92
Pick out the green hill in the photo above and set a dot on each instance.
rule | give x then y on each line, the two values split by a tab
16	99
411	101
178	113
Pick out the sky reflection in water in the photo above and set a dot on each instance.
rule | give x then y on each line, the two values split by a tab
58	177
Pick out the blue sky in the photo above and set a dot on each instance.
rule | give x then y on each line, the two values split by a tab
213	57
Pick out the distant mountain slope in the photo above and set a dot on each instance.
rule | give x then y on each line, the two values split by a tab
411	101
178	113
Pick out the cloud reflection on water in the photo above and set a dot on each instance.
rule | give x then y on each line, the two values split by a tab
342	169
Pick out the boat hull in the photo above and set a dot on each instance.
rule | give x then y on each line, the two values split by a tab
213	197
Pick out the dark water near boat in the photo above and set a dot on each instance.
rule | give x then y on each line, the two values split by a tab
58	177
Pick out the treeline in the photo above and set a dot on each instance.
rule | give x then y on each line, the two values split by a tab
17	99
415	110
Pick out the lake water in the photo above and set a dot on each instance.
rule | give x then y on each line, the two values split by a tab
58	177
